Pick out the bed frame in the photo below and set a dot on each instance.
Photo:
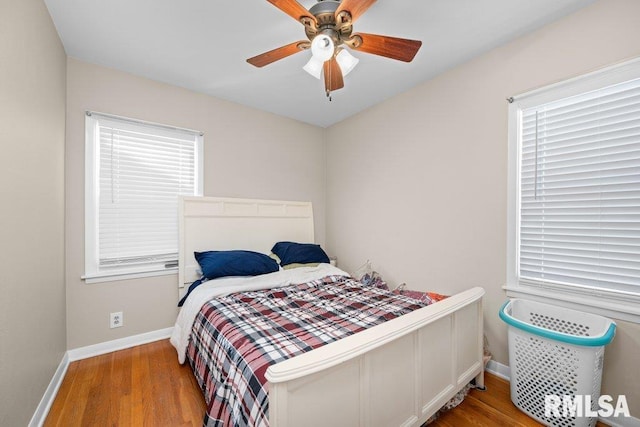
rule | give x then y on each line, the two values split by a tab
398	373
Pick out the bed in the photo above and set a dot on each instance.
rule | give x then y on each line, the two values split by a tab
398	372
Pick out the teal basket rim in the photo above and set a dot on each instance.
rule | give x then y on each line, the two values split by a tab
598	341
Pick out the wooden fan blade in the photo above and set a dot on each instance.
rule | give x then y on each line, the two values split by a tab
293	9
354	7
277	54
391	47
332	75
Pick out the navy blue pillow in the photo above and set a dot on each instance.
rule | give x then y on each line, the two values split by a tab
216	264
301	253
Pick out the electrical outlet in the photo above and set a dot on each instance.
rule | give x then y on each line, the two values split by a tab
116	320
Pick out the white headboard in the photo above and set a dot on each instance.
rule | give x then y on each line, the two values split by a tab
216	223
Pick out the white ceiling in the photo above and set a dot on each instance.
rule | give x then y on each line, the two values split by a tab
203	45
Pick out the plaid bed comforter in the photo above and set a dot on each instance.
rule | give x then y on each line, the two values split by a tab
235	338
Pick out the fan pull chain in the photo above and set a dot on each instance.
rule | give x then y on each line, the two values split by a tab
329	89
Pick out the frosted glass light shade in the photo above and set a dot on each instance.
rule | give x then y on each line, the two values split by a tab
346	61
322	47
314	67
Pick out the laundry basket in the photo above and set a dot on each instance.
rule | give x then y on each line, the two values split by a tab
555	352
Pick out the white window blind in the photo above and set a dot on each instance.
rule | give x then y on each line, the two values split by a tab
579	216
138	171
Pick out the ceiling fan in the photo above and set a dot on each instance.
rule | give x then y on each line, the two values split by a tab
328	25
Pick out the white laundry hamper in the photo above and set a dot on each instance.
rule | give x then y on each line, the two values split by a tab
554	351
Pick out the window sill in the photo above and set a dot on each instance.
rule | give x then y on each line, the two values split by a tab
608	304
125	275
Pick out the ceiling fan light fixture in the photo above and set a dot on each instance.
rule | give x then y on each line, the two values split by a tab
314	67
328	25
346	61
322	47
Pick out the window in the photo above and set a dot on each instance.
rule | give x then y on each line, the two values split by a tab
135	172
574	219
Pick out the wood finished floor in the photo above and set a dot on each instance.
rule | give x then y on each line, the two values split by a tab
139	386
145	385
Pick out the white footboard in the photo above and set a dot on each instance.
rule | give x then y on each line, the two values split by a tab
396	374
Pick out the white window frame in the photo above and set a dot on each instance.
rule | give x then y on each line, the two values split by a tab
92	162
610	303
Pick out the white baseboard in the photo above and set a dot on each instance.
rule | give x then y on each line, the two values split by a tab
503	371
498	369
119	344
50	393
40	415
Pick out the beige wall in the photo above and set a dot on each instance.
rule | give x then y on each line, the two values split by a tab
32	123
247	153
418	184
